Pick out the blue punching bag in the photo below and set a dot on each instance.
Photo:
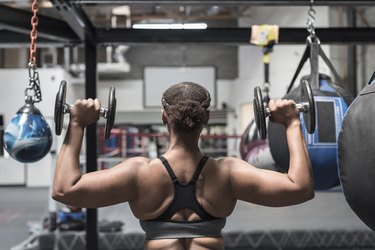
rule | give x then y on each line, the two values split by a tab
322	145
28	137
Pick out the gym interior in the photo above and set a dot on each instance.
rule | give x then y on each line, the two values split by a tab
140	48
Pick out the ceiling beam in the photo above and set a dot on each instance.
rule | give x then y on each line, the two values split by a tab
224	2
232	36
19	21
10	39
76	18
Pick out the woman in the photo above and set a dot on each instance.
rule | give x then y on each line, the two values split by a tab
183	197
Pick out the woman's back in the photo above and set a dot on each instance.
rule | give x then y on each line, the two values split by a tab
156	189
157	192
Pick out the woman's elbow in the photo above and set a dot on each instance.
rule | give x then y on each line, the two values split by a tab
62	195
58	194
306	194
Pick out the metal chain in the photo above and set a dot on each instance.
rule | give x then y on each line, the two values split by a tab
311	19
34	32
34	83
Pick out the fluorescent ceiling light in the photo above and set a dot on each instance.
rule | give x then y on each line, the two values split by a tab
170	26
195	26
176	26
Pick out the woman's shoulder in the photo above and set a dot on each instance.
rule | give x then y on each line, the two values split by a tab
141	166
140	161
226	160
231	163
135	162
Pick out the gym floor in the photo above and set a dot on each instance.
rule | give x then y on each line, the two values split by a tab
21	207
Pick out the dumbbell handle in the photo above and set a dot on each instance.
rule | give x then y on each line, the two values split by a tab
103	112
302	107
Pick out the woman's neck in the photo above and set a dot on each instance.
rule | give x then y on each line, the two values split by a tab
185	141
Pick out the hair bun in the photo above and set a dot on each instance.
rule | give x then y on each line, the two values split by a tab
186	104
187	115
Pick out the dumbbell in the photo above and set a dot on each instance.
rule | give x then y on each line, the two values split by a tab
62	108
306	106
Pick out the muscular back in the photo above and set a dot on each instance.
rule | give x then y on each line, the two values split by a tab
156	191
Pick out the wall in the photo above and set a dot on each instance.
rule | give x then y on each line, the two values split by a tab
223	57
129	94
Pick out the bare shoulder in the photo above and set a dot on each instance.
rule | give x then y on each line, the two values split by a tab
232	166
232	162
141	167
131	166
136	162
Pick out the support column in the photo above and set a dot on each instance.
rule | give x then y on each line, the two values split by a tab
352	55
91	142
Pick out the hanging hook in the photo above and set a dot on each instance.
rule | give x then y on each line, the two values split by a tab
311	19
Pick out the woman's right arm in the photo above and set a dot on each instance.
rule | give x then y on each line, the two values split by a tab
95	189
271	188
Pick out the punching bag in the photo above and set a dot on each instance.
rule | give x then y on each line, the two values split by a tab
356	155
322	145
28	137
254	150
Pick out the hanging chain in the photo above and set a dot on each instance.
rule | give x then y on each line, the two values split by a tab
311	19
34	83
34	32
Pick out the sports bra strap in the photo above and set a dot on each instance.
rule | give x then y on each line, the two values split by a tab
199	168
197	171
169	169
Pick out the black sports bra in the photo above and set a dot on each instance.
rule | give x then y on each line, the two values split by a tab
185	195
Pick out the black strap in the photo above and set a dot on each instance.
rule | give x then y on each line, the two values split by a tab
197	171
266	72
372	78
303	60
312	52
314	64
338	79
199	168
339	83
169	169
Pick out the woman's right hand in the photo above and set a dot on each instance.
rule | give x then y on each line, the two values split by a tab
85	112
283	111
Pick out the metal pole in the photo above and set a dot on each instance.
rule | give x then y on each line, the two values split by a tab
52	204
91	142
352	55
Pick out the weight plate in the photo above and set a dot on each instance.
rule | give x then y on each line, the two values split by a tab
259	113
309	114
59	108
111	112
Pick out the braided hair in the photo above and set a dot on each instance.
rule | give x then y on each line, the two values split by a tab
186	105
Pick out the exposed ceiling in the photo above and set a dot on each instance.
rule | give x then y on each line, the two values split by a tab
116	16
73	21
